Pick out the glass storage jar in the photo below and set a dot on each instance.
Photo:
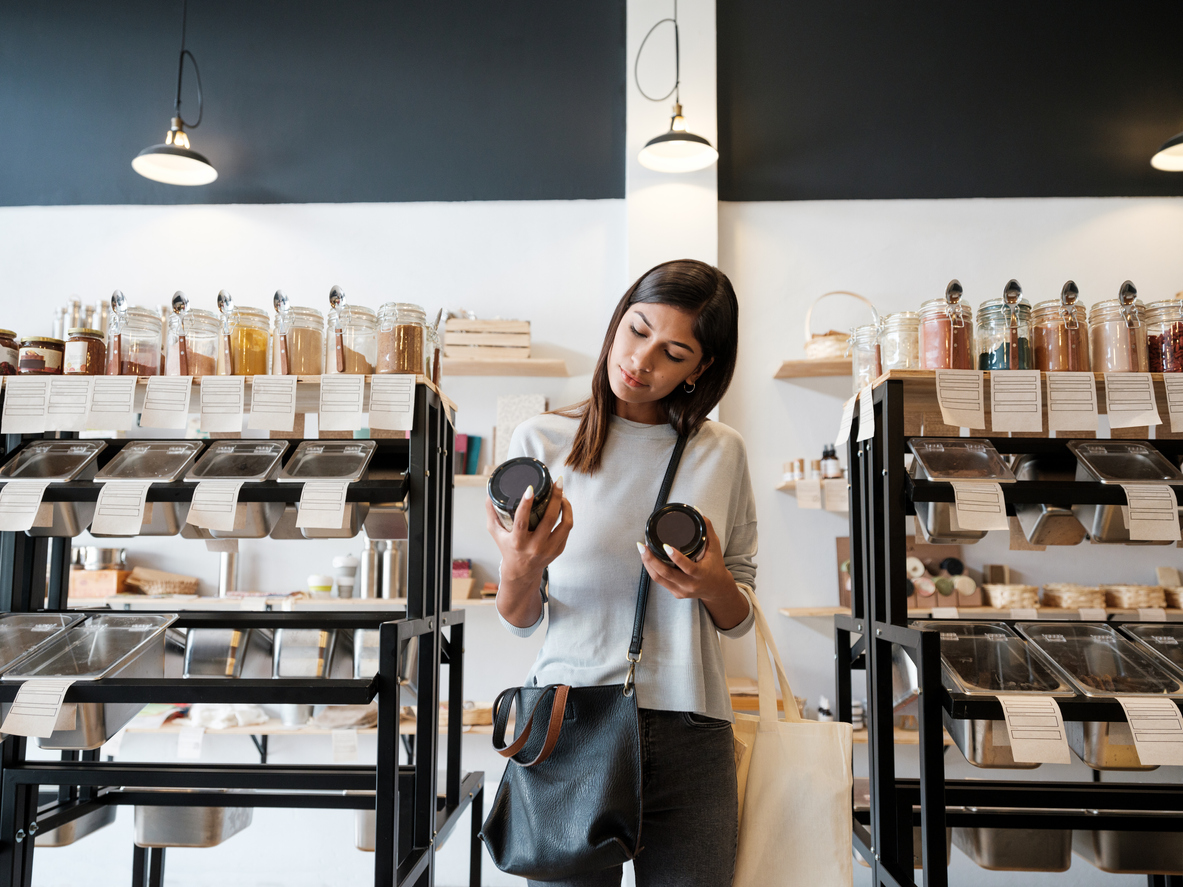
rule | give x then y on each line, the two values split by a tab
946	335
250	331
133	343
299	343
1164	336
866	366
85	353
9	353
1004	335
899	344
203	342
41	356
351	340
402	333
1061	337
1118	334
433	354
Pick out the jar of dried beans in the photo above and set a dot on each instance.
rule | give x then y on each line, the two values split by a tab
864	353
351	340
402	331
1164	336
1061	334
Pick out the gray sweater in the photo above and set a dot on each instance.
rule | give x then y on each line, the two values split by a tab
593	584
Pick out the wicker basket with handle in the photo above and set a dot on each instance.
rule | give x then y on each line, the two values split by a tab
830	345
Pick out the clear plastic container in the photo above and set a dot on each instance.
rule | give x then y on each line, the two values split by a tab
21	633
1118	334
1061	335
299	343
1122	462
1100	662
1004	335
899	343
133	343
946	336
864	353
402	335
351	340
1164	336
1165	640
985	659
203	342
959	458
250	333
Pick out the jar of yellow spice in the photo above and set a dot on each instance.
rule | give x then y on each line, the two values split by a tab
249	331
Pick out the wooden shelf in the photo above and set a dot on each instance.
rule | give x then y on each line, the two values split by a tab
531	366
787	486
811	369
996	613
470	480
176	603
902	737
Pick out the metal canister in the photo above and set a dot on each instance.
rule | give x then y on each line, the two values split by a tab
368	569
508	484
679	526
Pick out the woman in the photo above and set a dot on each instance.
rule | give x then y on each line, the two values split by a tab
667	359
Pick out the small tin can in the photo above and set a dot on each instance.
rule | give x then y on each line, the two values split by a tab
679	526
508	484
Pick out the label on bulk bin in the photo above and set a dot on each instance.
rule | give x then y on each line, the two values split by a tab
322	504
273	403
835	495
961	395
345	746
1173	382
120	508
1016	400
214	504
69	402
20	502
1071	402
392	402
1153	512
809	493
1129	399
866	414
979	505
1035	729
1157	729
189	742
26	404
112	403
847	421
37	707
166	402
341	397
222	402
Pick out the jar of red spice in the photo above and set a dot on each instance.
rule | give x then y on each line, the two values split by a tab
1061	332
1164	335
9	353
946	333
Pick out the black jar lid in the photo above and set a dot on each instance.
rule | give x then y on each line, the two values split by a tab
510	479
679	526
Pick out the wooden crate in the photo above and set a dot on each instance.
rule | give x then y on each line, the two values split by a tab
487	339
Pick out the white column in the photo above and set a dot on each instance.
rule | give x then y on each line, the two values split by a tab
670	216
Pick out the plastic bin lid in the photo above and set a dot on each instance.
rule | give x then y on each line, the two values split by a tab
92	649
21	633
238	460
1124	462
960	458
162	461
343	460
983	658
1101	662
55	460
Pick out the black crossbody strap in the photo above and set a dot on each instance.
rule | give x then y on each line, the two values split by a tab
634	648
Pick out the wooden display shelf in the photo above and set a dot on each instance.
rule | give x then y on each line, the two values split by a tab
470	480
811	369
528	366
174	603
787	486
902	737
976	612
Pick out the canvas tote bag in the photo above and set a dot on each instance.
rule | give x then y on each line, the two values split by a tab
795	784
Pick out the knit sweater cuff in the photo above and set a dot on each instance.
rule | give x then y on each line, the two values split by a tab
745	626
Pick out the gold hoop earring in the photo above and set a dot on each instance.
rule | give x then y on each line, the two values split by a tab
688	387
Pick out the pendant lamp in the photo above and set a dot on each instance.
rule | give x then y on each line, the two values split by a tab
677	150
175	162
1170	156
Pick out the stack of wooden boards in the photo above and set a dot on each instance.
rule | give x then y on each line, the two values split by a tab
487	339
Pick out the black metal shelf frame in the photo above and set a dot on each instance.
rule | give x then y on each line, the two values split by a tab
881	497
414	813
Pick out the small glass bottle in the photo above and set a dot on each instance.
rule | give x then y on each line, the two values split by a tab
1117	328
946	333
133	343
1164	336
1060	331
402	332
433	353
864	352
250	331
203	342
299	343
899	345
85	353
351	340
831	467
1004	331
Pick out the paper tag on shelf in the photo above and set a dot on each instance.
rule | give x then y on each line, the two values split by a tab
1152	614
166	402
36	708
1071	402
847	420
20	501
1129	400
835	495
26	405
1016	400
345	746
1025	613
222	399
866	414
392	402
1153	513
1036	730
113	403
214	505
341	397
1173	382
189	742
69	401
979	505
322	504
961	396
1157	728
1092	614
120	508
273	403
809	493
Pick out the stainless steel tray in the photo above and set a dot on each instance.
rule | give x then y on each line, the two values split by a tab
1047	524
215	652
1163	640
1132	852
58	461
339	460
302	652
188	826
1016	849
245	460
862	802
75	829
159	461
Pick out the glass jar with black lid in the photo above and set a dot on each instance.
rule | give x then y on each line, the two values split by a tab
508	484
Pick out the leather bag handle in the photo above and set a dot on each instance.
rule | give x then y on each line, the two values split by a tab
554	726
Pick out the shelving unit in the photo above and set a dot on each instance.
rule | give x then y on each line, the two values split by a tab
530	366
812	369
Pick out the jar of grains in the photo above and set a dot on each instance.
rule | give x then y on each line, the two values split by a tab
1004	332
1117	328
9	353
250	332
402	332
351	340
946	334
85	353
1061	333
133	343
866	366
899	345
1164	336
41	355
299	343
203	341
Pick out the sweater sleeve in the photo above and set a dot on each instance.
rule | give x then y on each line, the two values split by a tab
520	446
739	555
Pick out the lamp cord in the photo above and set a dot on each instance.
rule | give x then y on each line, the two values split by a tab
677	61
181	71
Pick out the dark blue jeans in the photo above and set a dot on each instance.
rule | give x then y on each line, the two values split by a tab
691	812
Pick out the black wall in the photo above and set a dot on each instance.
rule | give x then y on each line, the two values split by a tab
942	98
315	101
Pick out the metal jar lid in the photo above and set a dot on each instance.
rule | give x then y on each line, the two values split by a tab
41	340
83	331
679	526
7	334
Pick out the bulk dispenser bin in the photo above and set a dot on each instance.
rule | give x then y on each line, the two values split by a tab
22	633
1099	662
215	652
75	829
58	461
159	461
1047	524
1015	849
1117	462
113	645
302	652
328	460
169	826
245	460
1164	640
949	459
1131	852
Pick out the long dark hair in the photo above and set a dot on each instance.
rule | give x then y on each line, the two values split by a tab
688	285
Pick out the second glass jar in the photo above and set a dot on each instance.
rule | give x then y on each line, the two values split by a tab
402	332
866	365
899	344
1118	335
133	343
1061	335
946	336
351	340
1164	336
1004	336
249	331
203	341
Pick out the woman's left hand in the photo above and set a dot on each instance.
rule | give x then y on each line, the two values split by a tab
706	579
